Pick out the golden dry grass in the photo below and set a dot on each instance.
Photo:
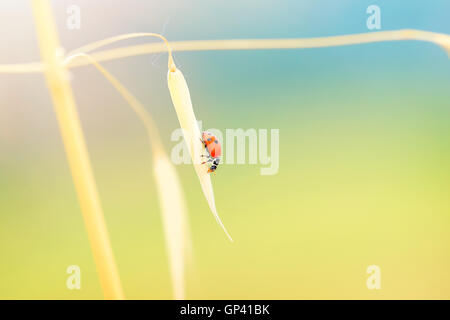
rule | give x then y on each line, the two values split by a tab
77	154
173	212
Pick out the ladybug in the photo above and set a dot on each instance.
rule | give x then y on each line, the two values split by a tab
213	150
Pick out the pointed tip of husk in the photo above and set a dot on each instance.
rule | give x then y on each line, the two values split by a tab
206	184
181	99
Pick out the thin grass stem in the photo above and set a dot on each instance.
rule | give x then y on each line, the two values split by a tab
443	40
96	45
440	39
134	103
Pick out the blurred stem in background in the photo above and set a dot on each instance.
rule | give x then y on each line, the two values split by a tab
170	192
77	154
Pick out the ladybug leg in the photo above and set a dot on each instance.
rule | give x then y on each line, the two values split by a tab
207	156
209	160
203	142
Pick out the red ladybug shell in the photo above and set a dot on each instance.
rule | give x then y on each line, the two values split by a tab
212	144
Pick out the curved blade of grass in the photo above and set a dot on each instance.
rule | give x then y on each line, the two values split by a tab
181	99
170	192
185	115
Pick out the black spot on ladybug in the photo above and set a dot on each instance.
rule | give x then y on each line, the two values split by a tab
209	139
216	141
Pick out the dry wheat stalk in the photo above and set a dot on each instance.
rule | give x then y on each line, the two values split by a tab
77	154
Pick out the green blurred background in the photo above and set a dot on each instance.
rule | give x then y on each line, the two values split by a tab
364	154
